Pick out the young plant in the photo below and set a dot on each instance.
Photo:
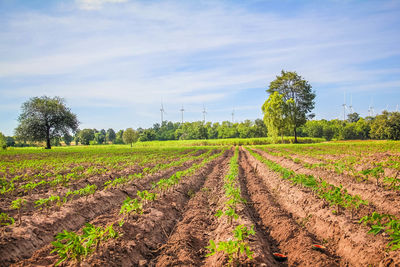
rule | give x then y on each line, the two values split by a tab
376	172
47	202
70	245
131	206
18	204
6	219
233	248
384	223
146	196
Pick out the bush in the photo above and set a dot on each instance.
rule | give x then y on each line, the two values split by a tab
3	143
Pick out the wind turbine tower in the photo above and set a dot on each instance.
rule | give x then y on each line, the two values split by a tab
162	113
344	107
351	104
204	113
371	109
182	110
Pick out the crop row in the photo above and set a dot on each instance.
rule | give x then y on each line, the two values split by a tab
336	197
90	189
129	208
34	171
375	172
237	244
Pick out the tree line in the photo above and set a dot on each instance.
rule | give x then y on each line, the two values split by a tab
385	126
287	112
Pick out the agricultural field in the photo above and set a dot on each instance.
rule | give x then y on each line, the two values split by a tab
181	204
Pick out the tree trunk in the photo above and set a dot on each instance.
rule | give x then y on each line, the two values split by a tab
295	135
48	145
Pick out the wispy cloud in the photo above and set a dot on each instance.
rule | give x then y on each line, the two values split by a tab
123	53
96	4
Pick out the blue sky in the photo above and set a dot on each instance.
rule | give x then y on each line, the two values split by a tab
114	61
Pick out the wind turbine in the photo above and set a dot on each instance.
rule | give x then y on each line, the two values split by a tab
371	109
344	107
182	110
351	104
162	112
204	113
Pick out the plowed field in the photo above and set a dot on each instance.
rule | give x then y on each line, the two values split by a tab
209	206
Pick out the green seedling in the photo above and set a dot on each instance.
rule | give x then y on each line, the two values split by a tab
235	247
146	196
6	219
69	245
18	204
131	206
376	172
387	223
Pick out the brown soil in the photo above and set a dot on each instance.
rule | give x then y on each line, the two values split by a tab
343	236
38	229
175	228
186	245
292	238
385	201
141	237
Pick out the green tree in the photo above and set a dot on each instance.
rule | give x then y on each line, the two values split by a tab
245	129
314	129
292	86
110	136
260	130
85	136
118	139
386	126
130	136
276	114
3	142
100	137
10	141
68	139
44	118
227	130
147	135
353	117
77	138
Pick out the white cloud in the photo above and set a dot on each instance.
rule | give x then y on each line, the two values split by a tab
189	52
96	4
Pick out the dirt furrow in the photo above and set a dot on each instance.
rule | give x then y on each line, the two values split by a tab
291	237
141	236
37	230
344	236
186	246
144	238
385	201
260	244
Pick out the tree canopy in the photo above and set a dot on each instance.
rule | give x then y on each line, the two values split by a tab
130	136
86	135
45	118
293	87
3	142
275	114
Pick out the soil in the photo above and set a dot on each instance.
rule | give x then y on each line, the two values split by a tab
175	229
341	234
384	201
39	228
291	236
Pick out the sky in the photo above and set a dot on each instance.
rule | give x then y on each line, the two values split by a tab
115	61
